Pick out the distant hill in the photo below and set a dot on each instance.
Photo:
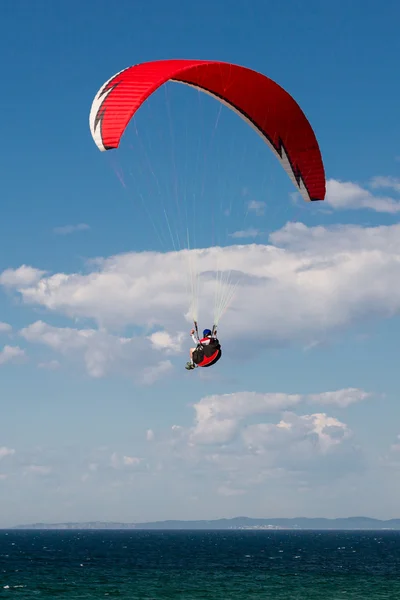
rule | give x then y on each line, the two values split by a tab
238	523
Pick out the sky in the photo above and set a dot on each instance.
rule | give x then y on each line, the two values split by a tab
99	420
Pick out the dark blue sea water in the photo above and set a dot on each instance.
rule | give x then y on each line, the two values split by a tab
208	565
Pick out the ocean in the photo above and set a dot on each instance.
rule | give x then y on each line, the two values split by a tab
194	565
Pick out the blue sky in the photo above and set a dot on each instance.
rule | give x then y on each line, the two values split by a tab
94	399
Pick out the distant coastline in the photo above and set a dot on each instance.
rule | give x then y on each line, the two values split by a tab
237	523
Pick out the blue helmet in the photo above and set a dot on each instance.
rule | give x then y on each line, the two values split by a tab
207	332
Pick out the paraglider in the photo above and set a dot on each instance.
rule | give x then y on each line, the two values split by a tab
261	102
258	100
207	351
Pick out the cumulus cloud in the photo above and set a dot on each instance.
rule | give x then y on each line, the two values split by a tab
68	229
257	207
5	328
150	435
243	440
389	182
396	446
50	365
121	462
40	470
226	490
307	282
218	416
299	431
349	195
136	288
262	446
151	374
340	398
11	354
306	276
4	452
101	352
162	340
131	461
22	277
246	233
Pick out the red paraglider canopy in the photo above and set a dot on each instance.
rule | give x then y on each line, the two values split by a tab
261	102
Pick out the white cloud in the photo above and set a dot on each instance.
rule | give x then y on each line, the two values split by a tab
218	417
313	430
5	328
270	458
131	461
51	365
243	445
132	288
115	460
299	288
120	462
150	435
308	284
152	374
162	340
58	338
246	233
4	452
386	182
395	447
349	195
257	207
11	354
226	490
214	431
341	398
24	276
67	229
102	353
38	470
311	345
